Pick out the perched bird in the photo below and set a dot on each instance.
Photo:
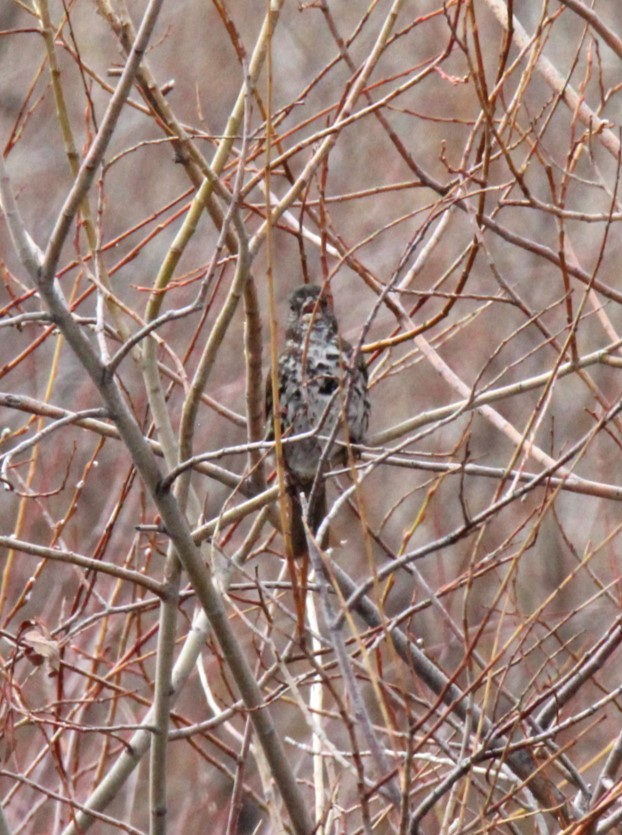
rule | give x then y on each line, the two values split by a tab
322	388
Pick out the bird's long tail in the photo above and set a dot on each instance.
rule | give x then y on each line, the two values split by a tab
316	513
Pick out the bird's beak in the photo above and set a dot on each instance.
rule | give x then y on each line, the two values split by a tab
310	306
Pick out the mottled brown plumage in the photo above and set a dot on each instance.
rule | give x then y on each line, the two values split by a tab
322	390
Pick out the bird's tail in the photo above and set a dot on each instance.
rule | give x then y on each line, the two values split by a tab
316	513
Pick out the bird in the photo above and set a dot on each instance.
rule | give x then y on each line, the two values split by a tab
323	397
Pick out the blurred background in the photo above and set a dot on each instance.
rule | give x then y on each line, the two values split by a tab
465	215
